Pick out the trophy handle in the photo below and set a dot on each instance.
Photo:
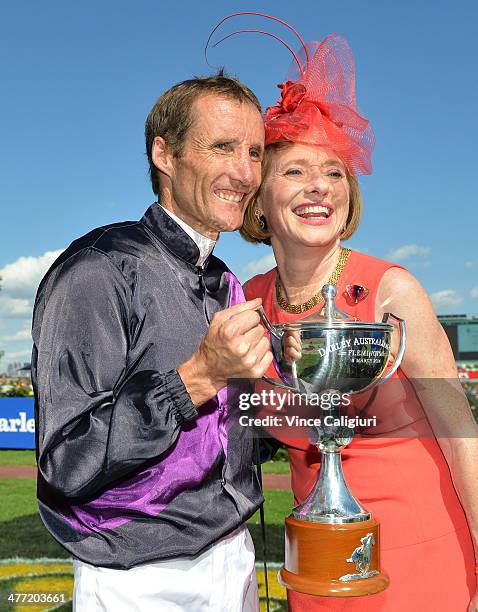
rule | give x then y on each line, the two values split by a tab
274	383
401	350
267	323
278	336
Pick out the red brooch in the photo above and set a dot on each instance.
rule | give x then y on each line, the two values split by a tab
356	293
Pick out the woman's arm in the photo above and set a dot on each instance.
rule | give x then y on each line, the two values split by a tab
429	364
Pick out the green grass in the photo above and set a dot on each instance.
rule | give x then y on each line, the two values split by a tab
18	497
27	537
22	533
17	457
278	505
276	467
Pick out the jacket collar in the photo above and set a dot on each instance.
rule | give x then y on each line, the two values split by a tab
170	234
204	244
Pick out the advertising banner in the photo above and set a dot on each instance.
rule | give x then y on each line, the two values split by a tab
17	422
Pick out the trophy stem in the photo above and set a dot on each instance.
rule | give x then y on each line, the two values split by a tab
331	501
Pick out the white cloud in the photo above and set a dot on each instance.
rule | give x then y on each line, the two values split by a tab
407	251
19	283
24	355
20	279
474	292
15	308
469	265
446	298
257	266
20	336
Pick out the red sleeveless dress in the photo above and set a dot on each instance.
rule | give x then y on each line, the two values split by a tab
401	477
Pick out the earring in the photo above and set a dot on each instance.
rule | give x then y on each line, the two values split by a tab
260	218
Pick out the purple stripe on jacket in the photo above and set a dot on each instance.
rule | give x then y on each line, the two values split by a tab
184	466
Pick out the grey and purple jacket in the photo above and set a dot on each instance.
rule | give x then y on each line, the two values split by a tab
129	470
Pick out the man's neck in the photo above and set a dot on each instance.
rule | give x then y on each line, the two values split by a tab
204	244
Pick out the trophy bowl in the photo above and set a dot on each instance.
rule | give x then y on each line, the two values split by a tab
330	529
345	356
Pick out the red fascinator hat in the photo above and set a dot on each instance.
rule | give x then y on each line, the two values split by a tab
317	104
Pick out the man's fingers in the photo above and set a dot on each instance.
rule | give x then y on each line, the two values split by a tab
256	353
252	337
263	364
240	323
250	305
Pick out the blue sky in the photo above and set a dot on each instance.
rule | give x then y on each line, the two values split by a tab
78	80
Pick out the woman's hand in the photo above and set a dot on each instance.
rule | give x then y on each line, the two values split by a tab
292	345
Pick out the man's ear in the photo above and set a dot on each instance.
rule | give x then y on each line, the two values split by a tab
162	156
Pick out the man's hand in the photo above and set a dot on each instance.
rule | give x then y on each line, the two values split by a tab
235	346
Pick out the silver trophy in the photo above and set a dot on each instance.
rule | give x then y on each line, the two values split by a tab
332	353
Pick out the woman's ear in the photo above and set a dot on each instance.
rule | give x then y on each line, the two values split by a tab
256	204
162	156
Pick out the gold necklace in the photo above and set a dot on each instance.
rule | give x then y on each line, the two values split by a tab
317	298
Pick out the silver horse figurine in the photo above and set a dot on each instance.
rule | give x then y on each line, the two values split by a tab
362	557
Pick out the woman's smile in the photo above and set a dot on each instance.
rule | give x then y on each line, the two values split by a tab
314	213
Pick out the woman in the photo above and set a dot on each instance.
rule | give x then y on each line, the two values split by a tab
309	202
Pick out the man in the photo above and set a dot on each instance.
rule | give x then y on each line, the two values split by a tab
137	328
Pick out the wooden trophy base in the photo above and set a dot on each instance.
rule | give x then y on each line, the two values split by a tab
316	557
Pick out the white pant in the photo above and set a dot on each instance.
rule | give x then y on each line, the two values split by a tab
222	579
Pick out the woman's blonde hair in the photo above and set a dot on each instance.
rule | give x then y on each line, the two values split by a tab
252	229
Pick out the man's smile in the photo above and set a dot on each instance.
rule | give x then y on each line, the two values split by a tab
229	195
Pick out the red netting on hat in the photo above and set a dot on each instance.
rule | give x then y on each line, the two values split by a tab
318	107
317	104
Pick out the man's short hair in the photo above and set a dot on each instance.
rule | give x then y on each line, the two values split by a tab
171	116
